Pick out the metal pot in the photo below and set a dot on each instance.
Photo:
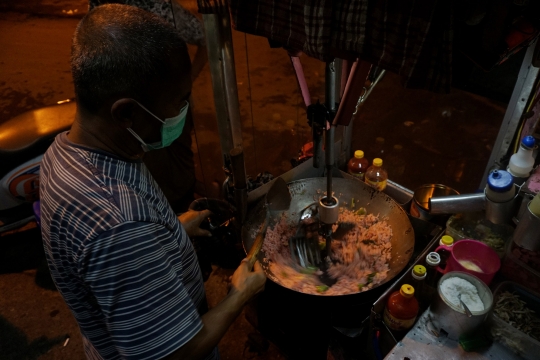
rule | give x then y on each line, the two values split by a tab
304	192
445	316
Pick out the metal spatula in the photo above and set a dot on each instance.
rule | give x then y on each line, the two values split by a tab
278	199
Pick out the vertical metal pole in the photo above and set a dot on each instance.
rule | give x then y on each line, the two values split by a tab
330	102
516	106
221	62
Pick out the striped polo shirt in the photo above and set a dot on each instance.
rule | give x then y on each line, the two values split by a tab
118	254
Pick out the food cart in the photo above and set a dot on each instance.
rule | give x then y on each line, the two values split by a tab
351	326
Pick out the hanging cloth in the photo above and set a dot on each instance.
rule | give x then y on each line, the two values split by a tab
412	38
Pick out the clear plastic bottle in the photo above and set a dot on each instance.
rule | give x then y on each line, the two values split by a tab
522	162
376	175
401	309
358	165
500	186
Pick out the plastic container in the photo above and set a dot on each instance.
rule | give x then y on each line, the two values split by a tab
504	333
446	240
401	309
472	257
419	275
500	186
433	260
358	165
376	175
475	226
522	162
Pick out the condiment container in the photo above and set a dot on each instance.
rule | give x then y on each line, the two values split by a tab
433	260
500	186
522	162
504	333
501	194
418	275
376	175
452	319
527	233
401	309
475	226
473	257
445	254
358	165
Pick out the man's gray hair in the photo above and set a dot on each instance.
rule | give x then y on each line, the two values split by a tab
118	50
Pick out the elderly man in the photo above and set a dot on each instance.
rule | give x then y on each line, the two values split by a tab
116	250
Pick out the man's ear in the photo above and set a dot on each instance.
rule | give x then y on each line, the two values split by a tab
123	111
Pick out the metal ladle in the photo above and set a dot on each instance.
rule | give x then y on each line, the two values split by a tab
467	311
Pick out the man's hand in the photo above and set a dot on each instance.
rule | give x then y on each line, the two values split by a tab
247	283
218	207
191	220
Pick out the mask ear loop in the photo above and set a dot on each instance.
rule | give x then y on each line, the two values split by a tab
148	111
143	144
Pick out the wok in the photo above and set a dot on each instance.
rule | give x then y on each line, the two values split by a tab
303	192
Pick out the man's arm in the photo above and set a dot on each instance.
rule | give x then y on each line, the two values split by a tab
244	285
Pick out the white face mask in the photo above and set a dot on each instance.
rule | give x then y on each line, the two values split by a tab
171	129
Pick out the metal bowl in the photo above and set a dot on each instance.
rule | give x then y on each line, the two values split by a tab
420	203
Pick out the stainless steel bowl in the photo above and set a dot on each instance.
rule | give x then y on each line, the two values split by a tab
420	203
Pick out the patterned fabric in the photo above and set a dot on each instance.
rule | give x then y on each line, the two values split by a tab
118	254
412	38
189	27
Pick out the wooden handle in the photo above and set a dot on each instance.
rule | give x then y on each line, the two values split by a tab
257	244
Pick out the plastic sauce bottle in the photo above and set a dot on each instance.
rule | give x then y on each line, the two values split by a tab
433	260
419	275
500	186
358	165
376	175
401	309
443	253
522	162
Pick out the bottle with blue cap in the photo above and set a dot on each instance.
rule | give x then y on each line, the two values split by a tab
522	162
500	186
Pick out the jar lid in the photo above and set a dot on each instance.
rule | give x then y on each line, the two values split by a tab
419	272
433	259
528	141
358	154
377	162
407	290
500	181
447	240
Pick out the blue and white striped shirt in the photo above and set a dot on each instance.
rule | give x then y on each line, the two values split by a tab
118	254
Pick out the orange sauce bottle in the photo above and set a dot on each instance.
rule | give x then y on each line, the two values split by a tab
401	309
358	165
